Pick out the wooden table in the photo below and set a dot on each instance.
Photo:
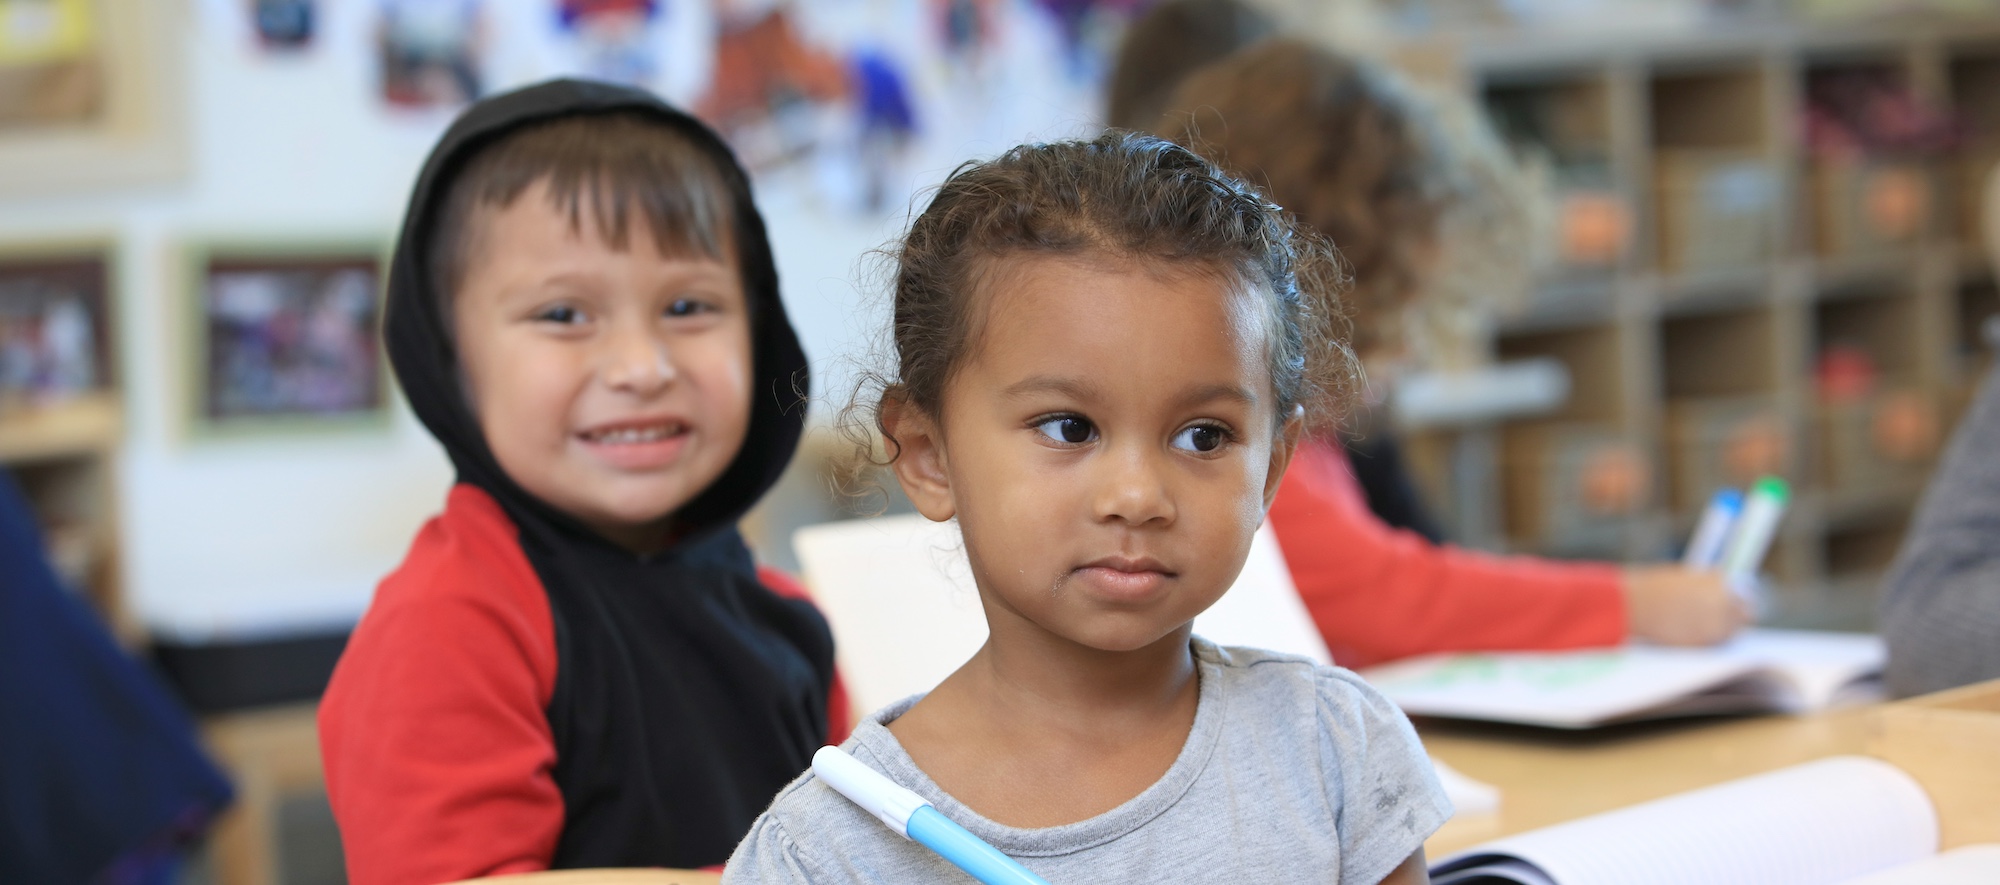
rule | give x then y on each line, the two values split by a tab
1547	777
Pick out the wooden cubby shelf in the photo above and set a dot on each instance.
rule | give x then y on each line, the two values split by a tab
1790	300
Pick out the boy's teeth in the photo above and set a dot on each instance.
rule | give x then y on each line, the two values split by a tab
634	434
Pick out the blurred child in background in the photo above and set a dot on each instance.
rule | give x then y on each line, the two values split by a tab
1341	145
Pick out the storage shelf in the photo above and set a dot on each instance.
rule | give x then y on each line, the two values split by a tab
1713	322
82	426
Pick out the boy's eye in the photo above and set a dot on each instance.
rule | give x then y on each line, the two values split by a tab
1068	429
1201	438
682	307
560	313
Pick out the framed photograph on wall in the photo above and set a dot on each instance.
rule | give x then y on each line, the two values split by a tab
286	336
55	325
91	95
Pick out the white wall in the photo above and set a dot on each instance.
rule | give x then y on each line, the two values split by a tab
251	536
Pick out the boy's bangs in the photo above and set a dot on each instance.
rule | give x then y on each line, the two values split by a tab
681	198
611	166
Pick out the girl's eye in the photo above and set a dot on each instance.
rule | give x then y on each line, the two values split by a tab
562	314
1201	438
1068	429
684	307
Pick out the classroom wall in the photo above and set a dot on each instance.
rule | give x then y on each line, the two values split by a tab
276	533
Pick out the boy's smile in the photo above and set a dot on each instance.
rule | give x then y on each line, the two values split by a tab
1109	444
613	384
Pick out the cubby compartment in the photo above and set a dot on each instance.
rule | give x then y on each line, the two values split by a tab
1977	307
1868	140
1573	488
1591	355
1724	426
1558	124
1973	82
71	498
1718	354
1864	339
1715	186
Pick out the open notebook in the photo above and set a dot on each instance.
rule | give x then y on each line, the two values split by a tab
1761	670
1843	820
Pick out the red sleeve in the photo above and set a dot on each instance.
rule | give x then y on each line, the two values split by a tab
1378	593
839	716
438	755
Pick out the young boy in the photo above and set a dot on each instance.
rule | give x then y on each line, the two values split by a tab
578	665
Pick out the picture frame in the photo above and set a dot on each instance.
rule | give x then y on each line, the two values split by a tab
94	100
58	330
285	337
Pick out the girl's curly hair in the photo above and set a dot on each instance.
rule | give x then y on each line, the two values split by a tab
1123	195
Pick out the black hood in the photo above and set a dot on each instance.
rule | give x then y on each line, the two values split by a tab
426	365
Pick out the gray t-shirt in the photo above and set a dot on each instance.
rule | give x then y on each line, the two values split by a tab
1293	773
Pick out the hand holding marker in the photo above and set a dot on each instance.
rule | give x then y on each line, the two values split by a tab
913	818
1735	533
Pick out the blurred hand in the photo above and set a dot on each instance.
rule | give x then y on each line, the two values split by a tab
1671	605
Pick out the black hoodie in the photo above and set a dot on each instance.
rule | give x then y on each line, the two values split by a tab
686	692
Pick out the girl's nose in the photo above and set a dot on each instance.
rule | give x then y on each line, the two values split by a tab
636	362
1132	488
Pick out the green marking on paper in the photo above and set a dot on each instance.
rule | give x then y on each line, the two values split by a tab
1547	674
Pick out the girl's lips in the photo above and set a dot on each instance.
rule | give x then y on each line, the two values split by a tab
1116	585
636	445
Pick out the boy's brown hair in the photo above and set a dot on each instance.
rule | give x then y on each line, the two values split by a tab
606	164
1339	144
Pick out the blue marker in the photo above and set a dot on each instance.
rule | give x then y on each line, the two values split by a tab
913	818
1704	550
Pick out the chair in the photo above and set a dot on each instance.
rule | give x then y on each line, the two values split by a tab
898	592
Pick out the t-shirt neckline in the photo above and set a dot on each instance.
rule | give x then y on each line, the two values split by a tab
1203	737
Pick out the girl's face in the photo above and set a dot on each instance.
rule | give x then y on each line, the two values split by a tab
1109	446
612	384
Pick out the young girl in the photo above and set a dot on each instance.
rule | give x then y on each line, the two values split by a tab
578	664
1107	352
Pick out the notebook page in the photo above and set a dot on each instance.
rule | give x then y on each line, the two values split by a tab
1561	689
1967	865
1813	824
1818	663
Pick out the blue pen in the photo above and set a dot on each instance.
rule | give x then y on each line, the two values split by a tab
913	818
1704	550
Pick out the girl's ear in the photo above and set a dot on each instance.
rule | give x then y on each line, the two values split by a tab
1283	444
918	449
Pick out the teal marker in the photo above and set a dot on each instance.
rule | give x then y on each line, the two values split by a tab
913	818
1755	529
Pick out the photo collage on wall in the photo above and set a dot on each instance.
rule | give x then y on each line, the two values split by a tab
288	337
836	103
54	334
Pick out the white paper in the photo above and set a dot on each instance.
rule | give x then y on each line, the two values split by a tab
1759	670
1968	865
1820	823
899	595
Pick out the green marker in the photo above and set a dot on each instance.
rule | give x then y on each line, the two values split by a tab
1762	509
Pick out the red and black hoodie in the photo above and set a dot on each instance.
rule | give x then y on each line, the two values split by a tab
523	694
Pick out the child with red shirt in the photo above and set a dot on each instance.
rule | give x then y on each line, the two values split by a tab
1339	142
578	664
